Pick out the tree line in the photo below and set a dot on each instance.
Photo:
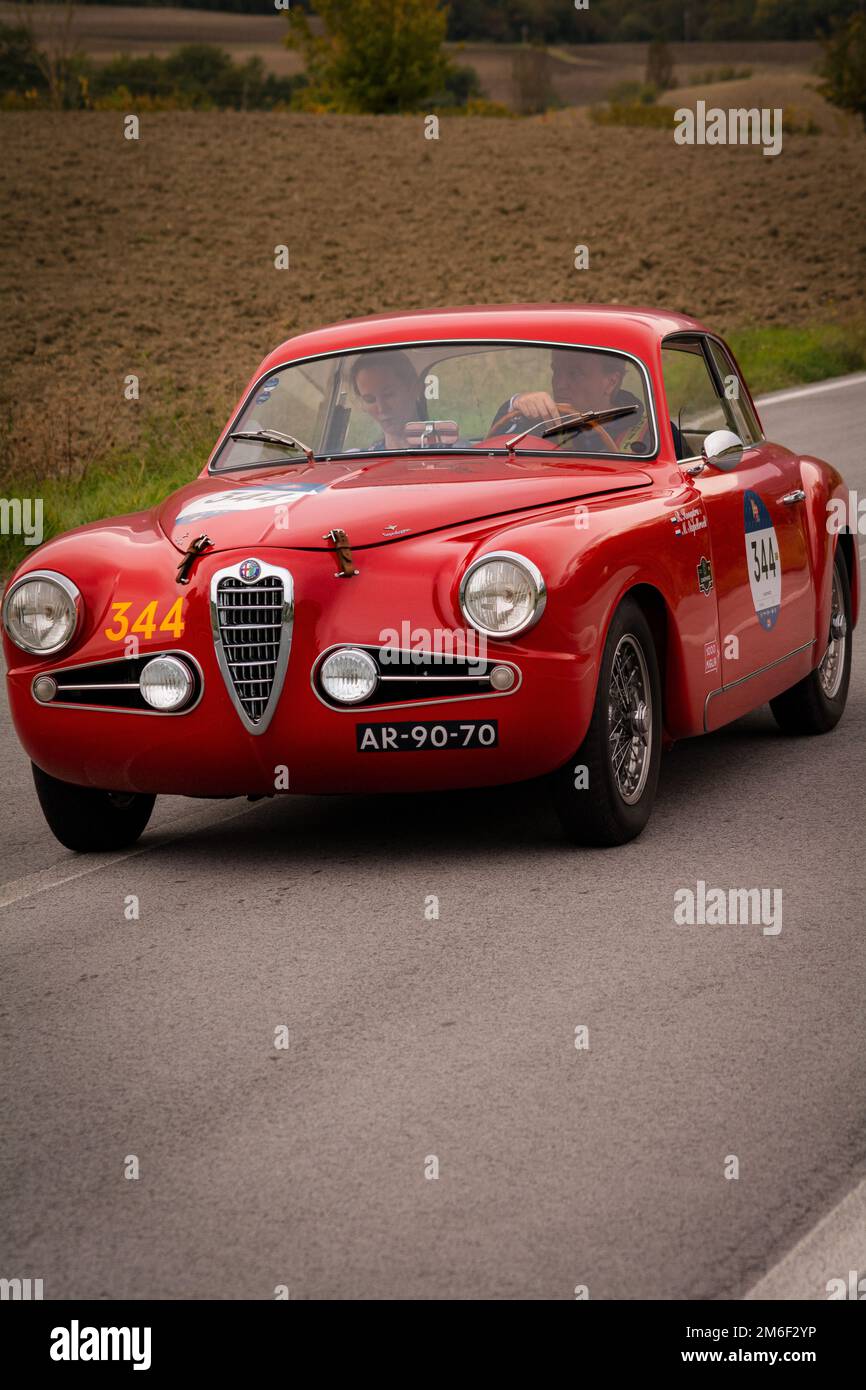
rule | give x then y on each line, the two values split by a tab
618	21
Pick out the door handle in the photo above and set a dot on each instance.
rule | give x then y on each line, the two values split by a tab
798	495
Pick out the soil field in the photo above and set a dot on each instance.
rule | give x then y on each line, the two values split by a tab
156	257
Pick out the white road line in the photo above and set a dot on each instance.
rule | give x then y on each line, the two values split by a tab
58	874
817	389
831	1250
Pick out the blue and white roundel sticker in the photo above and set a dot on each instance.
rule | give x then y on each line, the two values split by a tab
762	560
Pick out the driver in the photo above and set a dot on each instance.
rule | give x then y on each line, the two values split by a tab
584	381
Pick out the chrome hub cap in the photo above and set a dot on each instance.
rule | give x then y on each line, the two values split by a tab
832	666
640	720
630	719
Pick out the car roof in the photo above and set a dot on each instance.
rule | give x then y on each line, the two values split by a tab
634	330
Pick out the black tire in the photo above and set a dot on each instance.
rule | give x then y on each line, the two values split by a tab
87	820
593	807
816	703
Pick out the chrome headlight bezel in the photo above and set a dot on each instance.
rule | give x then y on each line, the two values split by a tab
73	594
176	664
535	576
364	661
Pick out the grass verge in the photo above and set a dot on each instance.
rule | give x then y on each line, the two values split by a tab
775	357
172	451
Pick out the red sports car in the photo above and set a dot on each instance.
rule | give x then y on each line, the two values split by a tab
440	550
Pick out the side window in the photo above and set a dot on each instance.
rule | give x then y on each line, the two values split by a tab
738	402
695	407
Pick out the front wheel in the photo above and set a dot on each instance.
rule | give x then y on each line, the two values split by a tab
605	793
87	820
816	703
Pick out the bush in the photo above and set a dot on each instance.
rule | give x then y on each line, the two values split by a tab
196	75
843	67
19	70
793	123
478	106
461	84
644	93
633	113
723	74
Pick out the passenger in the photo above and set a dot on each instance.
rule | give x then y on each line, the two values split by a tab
387	387
580	380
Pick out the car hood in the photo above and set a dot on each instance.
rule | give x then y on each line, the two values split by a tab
377	501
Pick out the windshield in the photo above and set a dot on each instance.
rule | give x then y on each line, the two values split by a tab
446	397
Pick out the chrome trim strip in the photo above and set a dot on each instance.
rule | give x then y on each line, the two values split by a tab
741	680
130	685
535	575
443	342
426	679
410	704
287	620
69	588
107	685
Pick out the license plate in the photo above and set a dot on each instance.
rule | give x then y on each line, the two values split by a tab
412	738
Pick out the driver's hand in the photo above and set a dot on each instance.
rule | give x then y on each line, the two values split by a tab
535	405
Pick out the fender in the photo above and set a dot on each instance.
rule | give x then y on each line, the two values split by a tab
827	498
592	556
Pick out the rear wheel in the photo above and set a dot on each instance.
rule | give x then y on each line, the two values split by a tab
816	704
85	819
604	795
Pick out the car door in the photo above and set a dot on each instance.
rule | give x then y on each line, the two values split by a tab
760	556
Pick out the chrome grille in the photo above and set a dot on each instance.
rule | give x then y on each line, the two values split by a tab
252	630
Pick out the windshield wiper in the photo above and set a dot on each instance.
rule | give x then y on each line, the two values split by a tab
558	424
274	437
589	417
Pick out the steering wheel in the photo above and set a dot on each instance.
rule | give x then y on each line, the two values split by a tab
564	409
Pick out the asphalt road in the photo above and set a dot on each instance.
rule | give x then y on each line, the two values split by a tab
408	1038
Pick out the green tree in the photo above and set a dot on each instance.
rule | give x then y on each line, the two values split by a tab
371	55
844	67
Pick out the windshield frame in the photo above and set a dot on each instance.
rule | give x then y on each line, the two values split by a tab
497	452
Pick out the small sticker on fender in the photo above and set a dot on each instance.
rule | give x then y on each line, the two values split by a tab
705	575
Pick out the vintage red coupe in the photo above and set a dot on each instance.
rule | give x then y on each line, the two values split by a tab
441	550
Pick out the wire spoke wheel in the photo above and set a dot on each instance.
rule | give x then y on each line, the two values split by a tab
630	719
604	794
832	665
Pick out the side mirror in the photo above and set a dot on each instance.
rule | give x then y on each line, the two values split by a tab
723	449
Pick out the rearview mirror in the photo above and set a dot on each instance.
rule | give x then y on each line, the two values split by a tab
431	434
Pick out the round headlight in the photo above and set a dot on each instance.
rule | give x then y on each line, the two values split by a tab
502	594
166	683
41	612
349	675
